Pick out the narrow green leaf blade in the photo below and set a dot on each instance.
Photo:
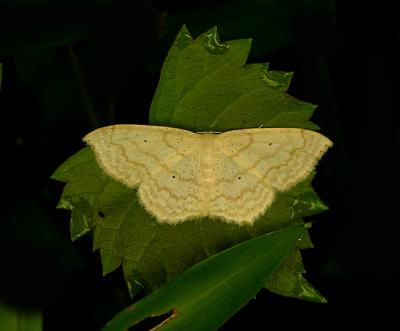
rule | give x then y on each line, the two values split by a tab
216	287
13	319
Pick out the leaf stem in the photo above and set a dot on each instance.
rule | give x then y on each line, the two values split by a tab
90	110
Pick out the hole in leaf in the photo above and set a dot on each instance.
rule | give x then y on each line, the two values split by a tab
154	322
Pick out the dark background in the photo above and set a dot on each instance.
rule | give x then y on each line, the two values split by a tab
70	66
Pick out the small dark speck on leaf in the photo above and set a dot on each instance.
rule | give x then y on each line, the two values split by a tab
101	214
145	141
270	144
239	177
173	176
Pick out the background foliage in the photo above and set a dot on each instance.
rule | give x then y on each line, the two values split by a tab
72	66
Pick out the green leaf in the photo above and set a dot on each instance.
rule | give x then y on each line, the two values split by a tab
288	280
126	233
216	287
204	85
13	319
306	201
274	24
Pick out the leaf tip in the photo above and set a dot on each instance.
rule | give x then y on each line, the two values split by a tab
183	38
211	41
